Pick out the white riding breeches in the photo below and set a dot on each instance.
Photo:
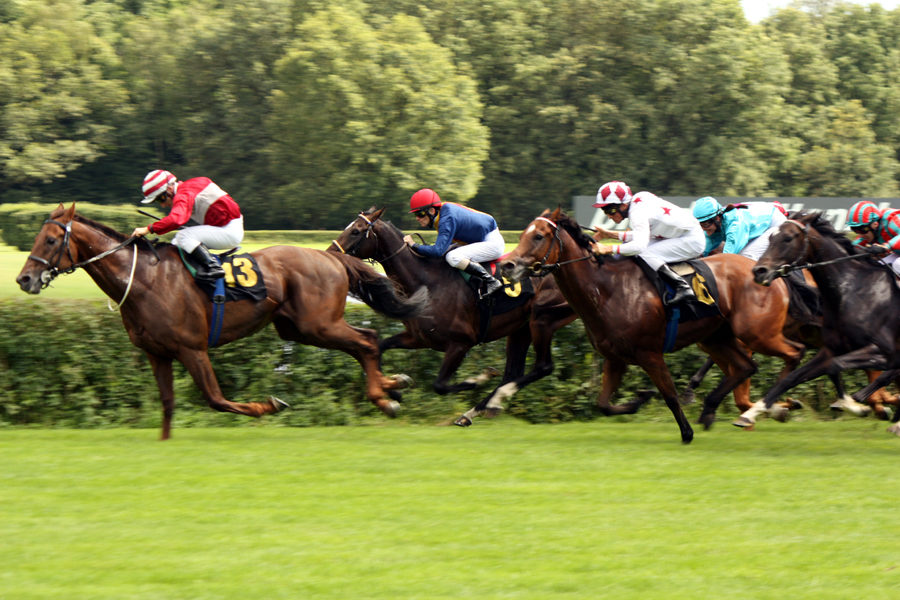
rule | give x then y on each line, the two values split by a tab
490	249
670	250
892	262
213	237
756	247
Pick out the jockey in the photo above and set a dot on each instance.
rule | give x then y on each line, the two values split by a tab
477	231
744	228
877	228
660	232
198	199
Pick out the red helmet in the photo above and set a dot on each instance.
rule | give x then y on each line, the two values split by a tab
423	199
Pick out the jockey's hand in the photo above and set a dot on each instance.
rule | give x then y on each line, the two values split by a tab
876	249
598	249
140	231
604	234
408	240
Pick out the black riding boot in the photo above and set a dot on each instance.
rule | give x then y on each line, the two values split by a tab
211	269
490	281
682	290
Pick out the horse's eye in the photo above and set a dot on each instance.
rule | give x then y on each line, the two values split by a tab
51	241
538	237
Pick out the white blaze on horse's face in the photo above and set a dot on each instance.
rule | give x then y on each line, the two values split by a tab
530	229
349	225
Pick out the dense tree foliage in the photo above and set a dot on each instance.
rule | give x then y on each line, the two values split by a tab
308	111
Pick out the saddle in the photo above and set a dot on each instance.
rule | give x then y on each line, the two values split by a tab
510	296
706	292
243	280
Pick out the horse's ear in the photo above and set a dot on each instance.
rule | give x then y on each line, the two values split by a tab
556	213
70	213
376	214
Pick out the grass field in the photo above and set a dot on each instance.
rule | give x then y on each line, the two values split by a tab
607	509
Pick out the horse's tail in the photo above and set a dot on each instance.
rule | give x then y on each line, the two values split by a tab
380	292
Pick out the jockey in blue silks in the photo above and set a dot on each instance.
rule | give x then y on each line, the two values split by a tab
745	228
476	232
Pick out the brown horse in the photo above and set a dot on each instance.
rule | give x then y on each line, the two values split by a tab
625	318
169	317
453	324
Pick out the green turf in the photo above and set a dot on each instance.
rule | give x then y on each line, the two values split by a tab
501	510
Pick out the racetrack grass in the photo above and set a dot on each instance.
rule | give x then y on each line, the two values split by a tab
608	509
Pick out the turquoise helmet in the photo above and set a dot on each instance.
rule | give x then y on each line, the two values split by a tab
707	208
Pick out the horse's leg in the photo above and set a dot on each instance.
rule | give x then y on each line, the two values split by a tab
453	357
687	395
162	371
879	382
845	401
655	366
737	367
198	365
405	341
613	371
818	365
516	354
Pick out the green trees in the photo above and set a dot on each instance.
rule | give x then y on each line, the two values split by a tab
308	112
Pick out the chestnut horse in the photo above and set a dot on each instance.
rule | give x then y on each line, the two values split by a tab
625	318
453	325
167	315
861	307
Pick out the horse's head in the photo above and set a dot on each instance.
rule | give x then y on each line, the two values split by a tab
359	238
51	253
539	245
788	247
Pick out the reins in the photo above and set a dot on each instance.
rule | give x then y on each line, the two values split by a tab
783	270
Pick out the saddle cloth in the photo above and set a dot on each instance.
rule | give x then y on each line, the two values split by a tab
243	279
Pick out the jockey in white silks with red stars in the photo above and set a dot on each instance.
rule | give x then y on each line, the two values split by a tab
660	233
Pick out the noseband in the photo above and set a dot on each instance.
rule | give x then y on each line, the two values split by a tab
783	270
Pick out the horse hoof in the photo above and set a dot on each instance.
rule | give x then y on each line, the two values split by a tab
743	422
895	429
707	421
278	404
779	413
463	421
403	380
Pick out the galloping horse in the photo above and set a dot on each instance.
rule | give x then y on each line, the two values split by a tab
625	318
453	324
861	306
169	317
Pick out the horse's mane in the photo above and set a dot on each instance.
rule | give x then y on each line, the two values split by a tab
817	221
571	226
116	235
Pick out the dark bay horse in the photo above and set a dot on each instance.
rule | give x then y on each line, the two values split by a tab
452	325
167	315
861	306
625	318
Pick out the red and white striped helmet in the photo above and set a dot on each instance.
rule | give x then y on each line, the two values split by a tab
614	192
154	184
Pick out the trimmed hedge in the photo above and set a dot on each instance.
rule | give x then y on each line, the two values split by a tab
70	364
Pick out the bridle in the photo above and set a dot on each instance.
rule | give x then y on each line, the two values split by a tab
53	271
370	230
783	270
540	268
